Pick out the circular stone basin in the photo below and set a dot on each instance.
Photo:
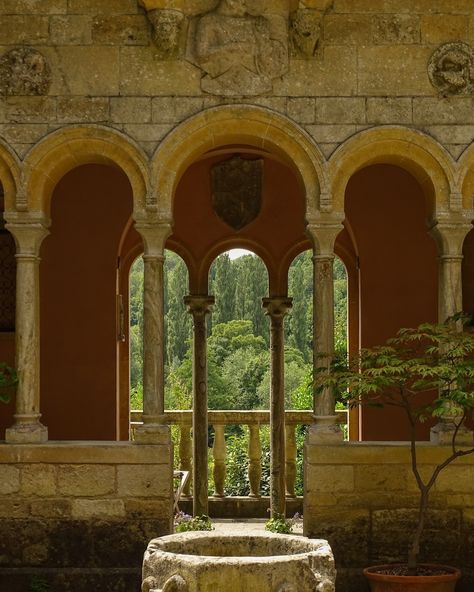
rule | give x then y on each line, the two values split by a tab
264	562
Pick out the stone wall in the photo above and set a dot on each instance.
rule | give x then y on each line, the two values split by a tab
370	67
362	497
79	516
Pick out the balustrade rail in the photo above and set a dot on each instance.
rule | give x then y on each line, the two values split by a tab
253	420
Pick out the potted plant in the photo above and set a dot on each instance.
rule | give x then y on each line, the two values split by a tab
8	382
433	358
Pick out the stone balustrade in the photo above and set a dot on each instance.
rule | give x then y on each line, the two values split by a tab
253	419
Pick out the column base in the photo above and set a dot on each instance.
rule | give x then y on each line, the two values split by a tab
442	434
27	433
325	430
152	433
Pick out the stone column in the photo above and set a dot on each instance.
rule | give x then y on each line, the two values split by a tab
325	428
199	307
154	429
277	308
449	237
27	427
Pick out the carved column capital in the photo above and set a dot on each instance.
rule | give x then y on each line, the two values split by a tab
199	306
323	233
277	307
28	232
449	237
154	235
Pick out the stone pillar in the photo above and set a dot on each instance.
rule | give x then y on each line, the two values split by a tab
325	428
154	429
199	307
27	427
277	308
449	237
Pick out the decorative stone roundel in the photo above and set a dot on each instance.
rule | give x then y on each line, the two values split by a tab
24	71
451	69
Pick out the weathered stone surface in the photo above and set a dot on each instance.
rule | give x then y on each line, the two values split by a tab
102	7
331	133
23	29
38	480
385	110
239	52
24	71
451	69
86	480
396	29
130	110
71	30
30	109
120	30
264	562
83	109
302	110
351	29
85	509
338	110
140	481
51	508
440	28
428	111
9	480
377	478
33	6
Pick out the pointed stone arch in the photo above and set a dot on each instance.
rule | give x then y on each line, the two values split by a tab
240	125
10	175
70	147
411	150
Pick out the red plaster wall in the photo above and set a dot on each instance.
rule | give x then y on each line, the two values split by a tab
386	210
90	209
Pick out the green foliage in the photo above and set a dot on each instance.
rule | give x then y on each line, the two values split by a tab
8	382
281	525
184	523
436	359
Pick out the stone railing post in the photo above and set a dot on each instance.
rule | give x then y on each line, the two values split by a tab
185	455
199	307
324	428
255	460
28	234
449	236
290	432
218	451
154	429
277	308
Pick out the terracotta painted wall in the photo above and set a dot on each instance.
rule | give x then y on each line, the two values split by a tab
468	274
90	208
398	269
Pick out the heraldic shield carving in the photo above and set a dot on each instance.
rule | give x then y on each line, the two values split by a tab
237	190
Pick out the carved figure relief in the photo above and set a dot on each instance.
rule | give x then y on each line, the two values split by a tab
168	32
24	71
240	50
237	190
451	69
305	32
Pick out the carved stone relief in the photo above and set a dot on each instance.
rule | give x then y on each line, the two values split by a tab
237	190
24	71
168	32
451	69
305	32
240	50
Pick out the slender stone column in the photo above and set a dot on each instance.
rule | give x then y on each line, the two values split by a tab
277	308
27	427
449	236
219	460
199	307
325	428
154	429
255	460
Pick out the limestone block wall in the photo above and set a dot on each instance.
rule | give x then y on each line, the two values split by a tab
370	68
85	511
362	497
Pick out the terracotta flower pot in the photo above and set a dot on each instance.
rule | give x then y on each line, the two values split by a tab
390	583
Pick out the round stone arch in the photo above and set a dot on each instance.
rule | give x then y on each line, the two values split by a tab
68	148
242	125
411	150
10	175
466	178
